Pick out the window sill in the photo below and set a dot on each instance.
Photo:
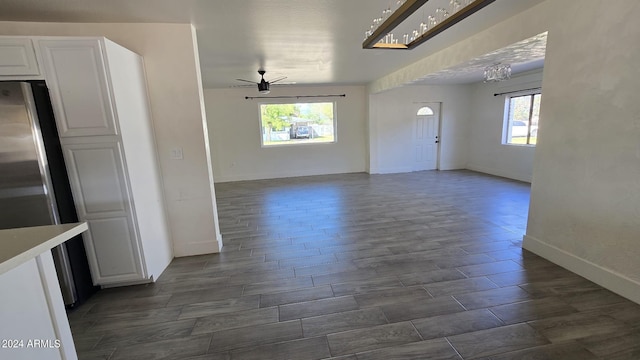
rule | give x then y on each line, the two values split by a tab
520	145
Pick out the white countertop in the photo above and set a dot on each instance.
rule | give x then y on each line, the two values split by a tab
22	244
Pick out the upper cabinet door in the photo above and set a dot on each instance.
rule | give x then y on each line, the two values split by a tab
17	57
77	80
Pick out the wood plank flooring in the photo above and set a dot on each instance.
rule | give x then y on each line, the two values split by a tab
425	265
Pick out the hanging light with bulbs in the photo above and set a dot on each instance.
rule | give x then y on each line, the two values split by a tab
497	72
380	36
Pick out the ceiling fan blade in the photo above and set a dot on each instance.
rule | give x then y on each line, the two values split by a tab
235	86
277	79
285	83
253	82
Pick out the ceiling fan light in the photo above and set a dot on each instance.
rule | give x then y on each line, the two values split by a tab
263	87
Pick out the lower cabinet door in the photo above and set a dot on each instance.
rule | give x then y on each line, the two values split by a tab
102	196
112	253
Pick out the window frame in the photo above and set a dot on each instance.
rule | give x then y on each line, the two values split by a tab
298	101
507	124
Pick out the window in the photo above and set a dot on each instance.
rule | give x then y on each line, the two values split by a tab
298	123
425	111
521	119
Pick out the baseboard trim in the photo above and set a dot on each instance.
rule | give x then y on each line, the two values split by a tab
609	279
393	170
497	172
199	248
127	283
284	174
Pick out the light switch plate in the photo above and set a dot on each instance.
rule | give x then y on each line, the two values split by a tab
176	154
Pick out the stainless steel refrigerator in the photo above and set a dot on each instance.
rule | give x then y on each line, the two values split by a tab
34	187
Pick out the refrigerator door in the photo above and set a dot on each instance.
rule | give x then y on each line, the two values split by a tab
23	196
26	192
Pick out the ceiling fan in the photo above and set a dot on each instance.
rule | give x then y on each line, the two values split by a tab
263	85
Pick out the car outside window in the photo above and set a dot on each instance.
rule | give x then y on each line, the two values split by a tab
297	123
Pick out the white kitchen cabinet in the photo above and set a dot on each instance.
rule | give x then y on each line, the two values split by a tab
99	96
17	57
96	172
77	80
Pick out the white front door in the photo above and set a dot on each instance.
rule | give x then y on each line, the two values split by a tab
426	137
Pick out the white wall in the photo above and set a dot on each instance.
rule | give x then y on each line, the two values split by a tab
585	196
235	134
391	117
170	57
487	154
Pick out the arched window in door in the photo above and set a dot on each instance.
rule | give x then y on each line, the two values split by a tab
425	111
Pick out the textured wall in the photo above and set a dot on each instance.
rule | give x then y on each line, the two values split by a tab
486	152
585	198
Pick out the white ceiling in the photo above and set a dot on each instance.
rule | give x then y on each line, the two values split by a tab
310	41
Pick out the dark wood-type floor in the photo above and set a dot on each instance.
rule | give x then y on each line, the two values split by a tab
424	265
